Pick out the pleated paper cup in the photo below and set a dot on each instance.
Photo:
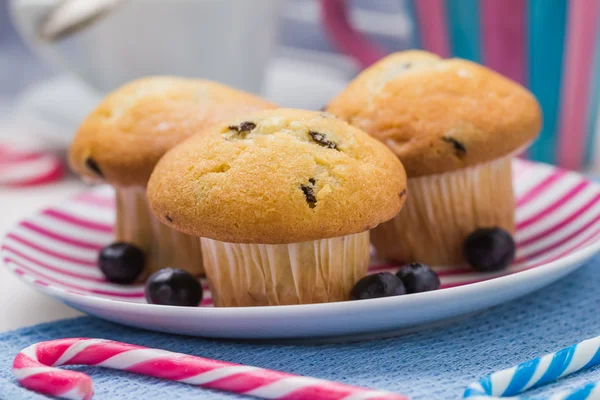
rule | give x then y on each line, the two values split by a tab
163	246
319	271
443	209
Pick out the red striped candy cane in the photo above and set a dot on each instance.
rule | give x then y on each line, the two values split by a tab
34	368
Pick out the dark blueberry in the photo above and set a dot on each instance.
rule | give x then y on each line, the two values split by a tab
173	287
247	126
169	219
418	278
244	128
402	193
383	284
309	193
93	165
489	249
322	140
459	148
121	262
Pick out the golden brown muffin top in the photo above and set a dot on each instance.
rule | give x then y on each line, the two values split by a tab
124	137
439	115
277	176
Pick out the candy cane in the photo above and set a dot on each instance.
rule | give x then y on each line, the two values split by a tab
34	369
537	372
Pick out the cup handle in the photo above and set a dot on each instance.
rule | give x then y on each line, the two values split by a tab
26	15
346	39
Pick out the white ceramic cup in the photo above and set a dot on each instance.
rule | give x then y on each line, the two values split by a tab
229	41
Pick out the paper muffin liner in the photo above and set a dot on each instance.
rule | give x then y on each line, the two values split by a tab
163	246
442	210
243	275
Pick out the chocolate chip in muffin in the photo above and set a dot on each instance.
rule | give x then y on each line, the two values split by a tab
244	128
169	219
309	193
402	193
247	126
322	140
459	148
93	165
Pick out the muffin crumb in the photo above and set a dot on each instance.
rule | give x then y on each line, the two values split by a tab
309	193
322	140
93	165
459	148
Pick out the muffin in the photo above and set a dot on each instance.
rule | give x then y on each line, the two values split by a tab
455	126
121	141
283	201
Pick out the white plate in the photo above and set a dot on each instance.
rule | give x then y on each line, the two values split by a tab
558	218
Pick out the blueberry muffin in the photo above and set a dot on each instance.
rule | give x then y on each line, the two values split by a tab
283	201
121	141
455	125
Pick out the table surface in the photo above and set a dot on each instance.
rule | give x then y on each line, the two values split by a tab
20	304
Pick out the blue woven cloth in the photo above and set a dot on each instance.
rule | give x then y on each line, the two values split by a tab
437	363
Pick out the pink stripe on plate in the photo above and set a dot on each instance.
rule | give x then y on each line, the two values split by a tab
541	187
562	241
96	200
206	302
134	295
52	253
60	238
585	242
76	292
49	267
552	207
73	220
561	224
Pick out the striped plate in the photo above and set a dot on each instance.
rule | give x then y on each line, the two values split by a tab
558	219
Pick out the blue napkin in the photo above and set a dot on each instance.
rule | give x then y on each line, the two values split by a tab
437	363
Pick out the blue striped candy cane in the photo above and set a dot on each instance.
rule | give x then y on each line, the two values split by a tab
512	381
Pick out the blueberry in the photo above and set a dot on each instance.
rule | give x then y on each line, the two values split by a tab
383	284
489	249
173	287
418	278
121	262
